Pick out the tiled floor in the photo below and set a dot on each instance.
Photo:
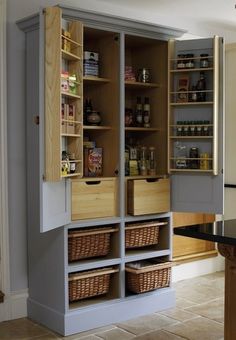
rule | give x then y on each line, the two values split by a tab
198	316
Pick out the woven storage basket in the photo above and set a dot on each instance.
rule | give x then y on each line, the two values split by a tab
142	234
89	243
90	283
149	277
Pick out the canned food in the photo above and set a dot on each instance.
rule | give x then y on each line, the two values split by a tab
204	161
144	75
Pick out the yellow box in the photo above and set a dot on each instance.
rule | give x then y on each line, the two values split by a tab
148	196
92	198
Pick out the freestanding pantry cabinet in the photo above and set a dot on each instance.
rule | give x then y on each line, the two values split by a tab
124	126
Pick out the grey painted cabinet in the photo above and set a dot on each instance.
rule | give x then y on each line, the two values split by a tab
119	199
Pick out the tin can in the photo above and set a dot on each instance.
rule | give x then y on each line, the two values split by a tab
204	161
144	75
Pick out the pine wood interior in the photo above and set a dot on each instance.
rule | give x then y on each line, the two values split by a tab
149	53
74	144
105	95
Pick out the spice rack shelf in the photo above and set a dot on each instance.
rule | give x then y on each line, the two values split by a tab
69	56
191	170
192	58
191	137
200	69
70	95
192	103
99	127
77	174
75	135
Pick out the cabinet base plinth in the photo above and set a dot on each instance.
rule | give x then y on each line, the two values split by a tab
118	310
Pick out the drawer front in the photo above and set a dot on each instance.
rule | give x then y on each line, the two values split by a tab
93	198
148	197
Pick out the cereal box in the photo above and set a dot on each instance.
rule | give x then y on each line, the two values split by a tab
93	162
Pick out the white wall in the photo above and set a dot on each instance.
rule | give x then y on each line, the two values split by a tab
16	109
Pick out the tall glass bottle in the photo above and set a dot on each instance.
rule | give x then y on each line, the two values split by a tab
139	113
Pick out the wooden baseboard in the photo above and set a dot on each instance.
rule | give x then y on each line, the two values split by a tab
195	257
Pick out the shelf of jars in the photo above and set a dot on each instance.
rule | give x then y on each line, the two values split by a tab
191	70
190	62
195	164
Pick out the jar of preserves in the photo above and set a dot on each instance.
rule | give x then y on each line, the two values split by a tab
152	161
144	75
204	62
189	60
180	62
194	153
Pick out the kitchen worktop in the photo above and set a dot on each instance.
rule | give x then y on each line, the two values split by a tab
221	232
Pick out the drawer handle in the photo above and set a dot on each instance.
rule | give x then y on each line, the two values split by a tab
151	180
93	182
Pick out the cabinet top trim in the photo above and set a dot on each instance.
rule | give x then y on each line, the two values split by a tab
107	21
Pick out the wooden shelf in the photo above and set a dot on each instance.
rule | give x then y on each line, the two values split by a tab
72	41
180	125
201	69
73	161
191	103
95	80
190	170
71	135
69	56
136	84
191	137
187	92
72	175
193	58
143	129
96	127
71	121
70	95
146	177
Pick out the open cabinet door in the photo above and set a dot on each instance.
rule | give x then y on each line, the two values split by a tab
54	191
196	125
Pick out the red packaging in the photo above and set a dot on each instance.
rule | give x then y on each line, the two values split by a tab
93	162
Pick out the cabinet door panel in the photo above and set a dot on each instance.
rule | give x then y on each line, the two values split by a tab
55	205
54	196
193	190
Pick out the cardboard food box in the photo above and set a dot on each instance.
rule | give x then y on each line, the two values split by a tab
70	114
93	162
63	117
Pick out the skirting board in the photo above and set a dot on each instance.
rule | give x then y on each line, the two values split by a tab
197	268
99	315
14	306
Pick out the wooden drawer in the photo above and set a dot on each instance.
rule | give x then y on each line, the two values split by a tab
148	196
94	198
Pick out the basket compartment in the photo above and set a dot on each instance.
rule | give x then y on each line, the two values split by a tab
142	234
89	243
90	283
148	277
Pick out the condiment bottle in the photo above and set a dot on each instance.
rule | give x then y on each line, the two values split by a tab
146	113
143	161
139	113
152	161
201	86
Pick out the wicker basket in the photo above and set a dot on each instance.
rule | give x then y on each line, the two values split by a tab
149	277
142	234
89	243
90	283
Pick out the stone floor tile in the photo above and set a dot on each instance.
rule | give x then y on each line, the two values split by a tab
21	329
182	303
198	329
179	314
146	323
48	336
116	334
159	335
90	332
213	310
